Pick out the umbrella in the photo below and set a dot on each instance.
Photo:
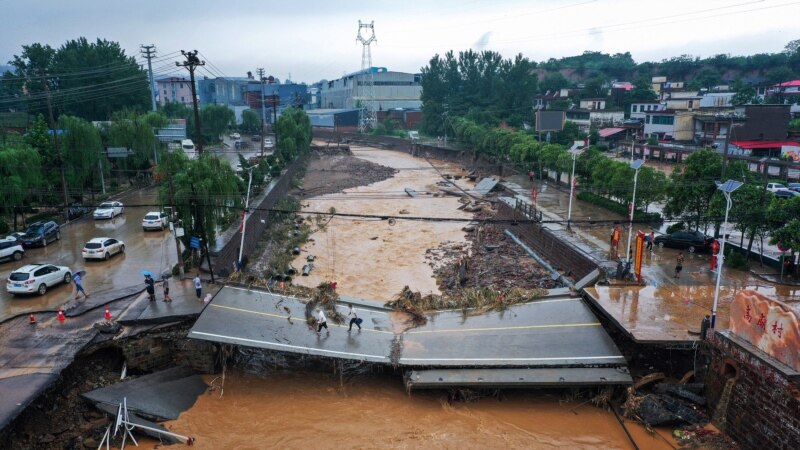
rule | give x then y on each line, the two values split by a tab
147	273
166	274
80	273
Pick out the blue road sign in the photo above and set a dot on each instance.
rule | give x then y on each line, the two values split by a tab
194	242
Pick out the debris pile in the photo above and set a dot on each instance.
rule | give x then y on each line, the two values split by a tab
493	261
479	300
666	403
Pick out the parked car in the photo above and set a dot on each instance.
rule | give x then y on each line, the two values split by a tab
786	193
16	235
775	187
41	233
102	248
793	187
76	210
269	143
694	241
155	220
11	249
236	136
37	278
107	210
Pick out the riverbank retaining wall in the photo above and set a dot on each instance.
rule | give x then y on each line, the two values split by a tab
556	250
757	398
257	221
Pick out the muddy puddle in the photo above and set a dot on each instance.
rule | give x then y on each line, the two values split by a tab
313	411
373	258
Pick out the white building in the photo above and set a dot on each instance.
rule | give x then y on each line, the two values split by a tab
391	90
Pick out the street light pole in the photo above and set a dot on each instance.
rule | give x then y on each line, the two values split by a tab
636	165
571	190
727	188
244	216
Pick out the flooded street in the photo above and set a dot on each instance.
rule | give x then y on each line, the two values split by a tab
305	410
151	250
667	308
368	257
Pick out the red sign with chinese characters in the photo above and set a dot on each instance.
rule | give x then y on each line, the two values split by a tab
768	324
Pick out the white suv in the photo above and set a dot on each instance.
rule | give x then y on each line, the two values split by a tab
775	187
37	278
155	220
11	248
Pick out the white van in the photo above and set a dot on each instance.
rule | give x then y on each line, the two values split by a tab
188	147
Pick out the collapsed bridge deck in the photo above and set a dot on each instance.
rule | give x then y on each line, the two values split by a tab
556	332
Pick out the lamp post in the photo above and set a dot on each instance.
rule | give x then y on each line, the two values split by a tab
244	215
571	188
635	165
727	188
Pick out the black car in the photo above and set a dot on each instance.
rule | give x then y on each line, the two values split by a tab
77	210
694	241
41	234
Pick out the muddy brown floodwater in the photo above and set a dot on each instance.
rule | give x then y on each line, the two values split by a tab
312	411
369	258
374	260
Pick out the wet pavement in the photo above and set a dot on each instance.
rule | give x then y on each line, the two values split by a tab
558	331
666	308
33	356
144	250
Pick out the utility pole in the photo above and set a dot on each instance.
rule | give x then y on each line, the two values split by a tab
59	157
260	71
727	144
149	51
192	61
276	100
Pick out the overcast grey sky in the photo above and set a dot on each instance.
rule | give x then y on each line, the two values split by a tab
313	40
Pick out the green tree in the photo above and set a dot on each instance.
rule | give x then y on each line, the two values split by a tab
594	88
745	94
135	132
643	91
98	79
87	80
553	82
294	133
175	110
693	187
251	122
20	176
705	79
82	149
215	121
207	194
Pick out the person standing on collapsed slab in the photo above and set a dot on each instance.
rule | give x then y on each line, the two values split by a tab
322	322
151	287
354	319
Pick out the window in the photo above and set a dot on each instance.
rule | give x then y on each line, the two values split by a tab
182	100
165	92
634	108
663	120
181	86
647	119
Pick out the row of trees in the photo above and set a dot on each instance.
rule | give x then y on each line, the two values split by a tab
689	194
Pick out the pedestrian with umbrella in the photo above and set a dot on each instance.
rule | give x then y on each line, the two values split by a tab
150	284
77	279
